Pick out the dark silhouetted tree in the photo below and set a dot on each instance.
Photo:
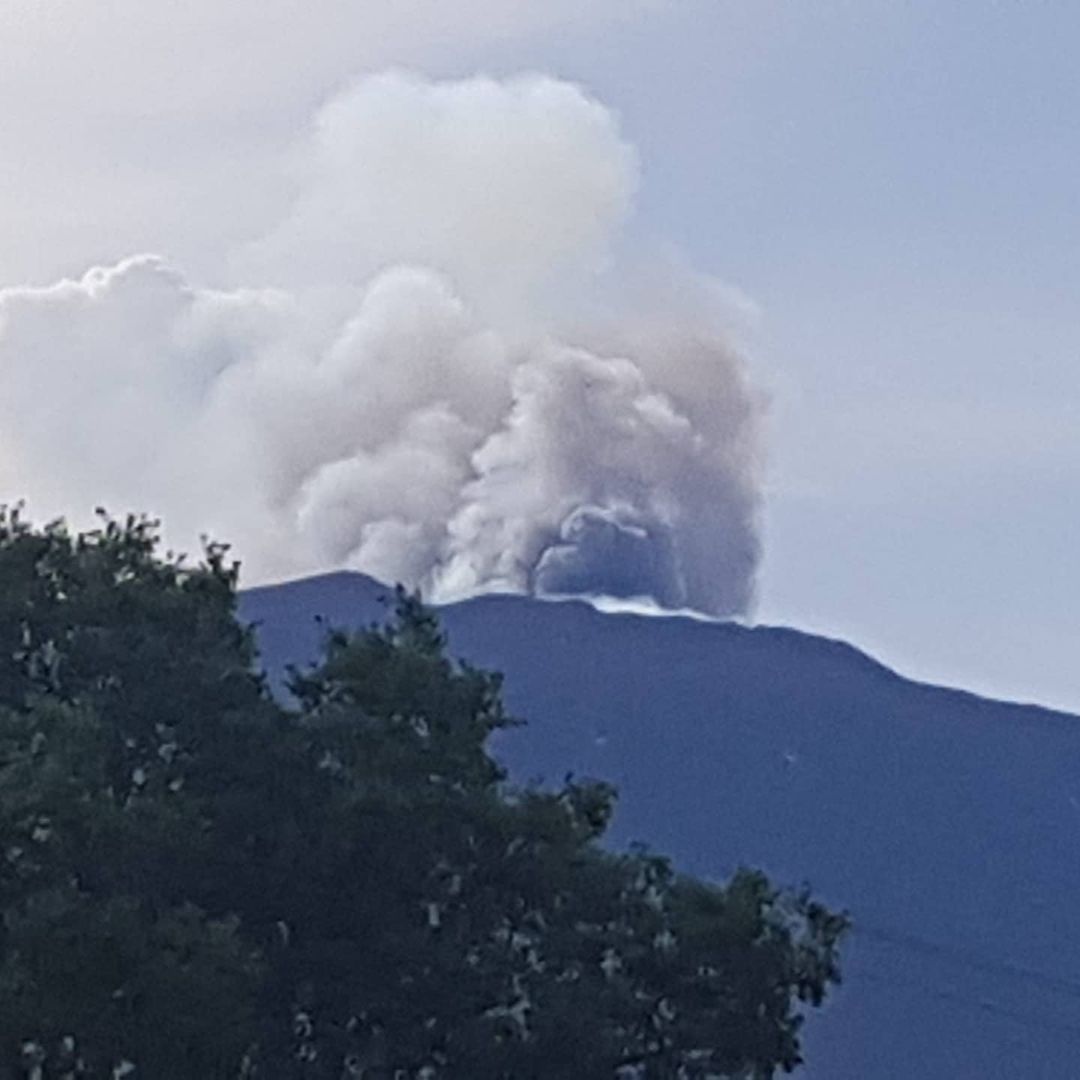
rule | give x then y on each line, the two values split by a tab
197	881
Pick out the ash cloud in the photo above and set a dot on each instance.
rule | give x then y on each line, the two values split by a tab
397	387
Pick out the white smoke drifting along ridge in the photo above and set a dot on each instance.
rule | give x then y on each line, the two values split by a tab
403	401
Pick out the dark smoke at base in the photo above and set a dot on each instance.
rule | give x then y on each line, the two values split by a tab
608	553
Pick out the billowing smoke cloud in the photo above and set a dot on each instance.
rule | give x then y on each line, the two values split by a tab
401	393
501	186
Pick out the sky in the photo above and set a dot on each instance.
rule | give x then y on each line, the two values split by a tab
886	191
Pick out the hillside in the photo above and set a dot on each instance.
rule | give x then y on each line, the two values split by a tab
947	824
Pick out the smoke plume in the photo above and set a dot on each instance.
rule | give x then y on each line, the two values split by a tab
428	379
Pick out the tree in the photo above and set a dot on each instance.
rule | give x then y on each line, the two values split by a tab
199	881
126	689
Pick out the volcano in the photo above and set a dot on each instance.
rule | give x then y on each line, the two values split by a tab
948	825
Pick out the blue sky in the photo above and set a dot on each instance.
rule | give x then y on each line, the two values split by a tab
894	185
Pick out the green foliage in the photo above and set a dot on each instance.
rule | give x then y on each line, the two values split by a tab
201	883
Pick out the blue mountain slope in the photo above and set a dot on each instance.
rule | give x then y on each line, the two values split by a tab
947	824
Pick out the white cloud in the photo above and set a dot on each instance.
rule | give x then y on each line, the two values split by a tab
135	125
528	175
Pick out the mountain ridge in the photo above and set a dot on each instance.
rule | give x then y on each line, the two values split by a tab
336	579
947	823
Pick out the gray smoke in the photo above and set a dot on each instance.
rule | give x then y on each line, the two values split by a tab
404	397
612	552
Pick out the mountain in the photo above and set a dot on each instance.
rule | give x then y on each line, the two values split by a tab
947	824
